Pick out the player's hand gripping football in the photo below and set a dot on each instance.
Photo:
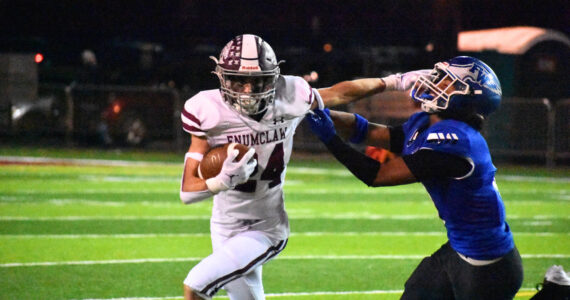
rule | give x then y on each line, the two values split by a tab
403	82
233	172
321	124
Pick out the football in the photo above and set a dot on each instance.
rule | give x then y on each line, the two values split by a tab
211	164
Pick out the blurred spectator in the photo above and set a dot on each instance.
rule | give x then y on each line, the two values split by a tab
89	73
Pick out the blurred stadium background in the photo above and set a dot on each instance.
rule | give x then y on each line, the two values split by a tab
107	80
116	73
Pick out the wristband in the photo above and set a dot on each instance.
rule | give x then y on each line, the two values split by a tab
360	130
391	82
194	155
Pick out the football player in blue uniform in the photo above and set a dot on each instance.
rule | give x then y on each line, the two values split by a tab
442	148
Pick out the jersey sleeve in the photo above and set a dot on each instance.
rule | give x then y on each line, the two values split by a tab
198	116
305	95
296	96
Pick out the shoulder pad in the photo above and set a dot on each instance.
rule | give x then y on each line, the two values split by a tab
449	139
200	113
294	96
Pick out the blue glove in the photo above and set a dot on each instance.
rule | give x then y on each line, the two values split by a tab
321	124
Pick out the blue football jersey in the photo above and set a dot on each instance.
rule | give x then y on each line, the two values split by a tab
471	206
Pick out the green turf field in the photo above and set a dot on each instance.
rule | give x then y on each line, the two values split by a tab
101	232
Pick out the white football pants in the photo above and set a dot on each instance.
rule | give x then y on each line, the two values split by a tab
235	265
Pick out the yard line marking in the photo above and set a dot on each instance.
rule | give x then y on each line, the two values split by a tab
98	218
556	194
345	173
285	257
342	216
356	191
101	236
80	161
299	294
100	262
299	170
130	178
520	178
523	292
293	234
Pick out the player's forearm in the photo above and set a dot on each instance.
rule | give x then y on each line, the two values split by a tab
192	188
349	91
345	124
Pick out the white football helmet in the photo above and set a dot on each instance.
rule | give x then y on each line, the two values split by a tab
248	71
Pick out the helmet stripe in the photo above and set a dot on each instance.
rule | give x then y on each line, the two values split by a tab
249	54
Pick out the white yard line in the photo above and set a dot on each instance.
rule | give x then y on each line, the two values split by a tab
341	216
80	161
284	257
297	170
293	234
522	292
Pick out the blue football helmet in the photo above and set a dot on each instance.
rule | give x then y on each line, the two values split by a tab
461	85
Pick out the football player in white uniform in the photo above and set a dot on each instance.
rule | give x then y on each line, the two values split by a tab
257	107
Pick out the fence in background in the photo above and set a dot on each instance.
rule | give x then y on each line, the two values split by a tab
521	128
530	128
126	115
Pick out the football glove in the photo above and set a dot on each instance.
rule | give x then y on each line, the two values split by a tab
233	173
321	124
405	81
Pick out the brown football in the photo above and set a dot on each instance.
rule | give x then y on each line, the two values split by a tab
211	164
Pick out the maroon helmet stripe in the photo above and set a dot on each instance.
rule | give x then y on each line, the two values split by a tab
191	117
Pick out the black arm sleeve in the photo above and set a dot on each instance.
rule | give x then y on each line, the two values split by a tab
396	139
362	166
428	164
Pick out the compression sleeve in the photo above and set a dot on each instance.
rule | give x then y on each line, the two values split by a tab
428	164
396	139
362	166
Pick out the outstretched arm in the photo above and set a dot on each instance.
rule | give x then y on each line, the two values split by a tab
368	170
349	91
423	164
358	130
352	90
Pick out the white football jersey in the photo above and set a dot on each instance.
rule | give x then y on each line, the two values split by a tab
260	198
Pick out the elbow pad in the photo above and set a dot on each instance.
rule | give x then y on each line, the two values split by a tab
193	197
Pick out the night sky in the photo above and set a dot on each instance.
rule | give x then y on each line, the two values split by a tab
182	22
